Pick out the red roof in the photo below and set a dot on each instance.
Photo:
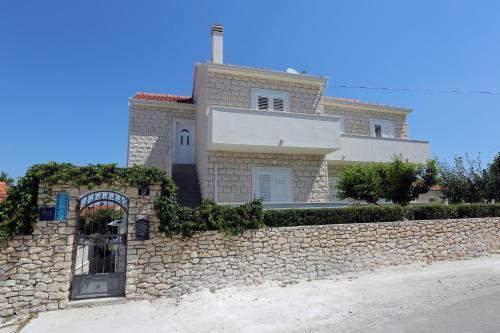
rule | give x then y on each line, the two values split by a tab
164	97
3	191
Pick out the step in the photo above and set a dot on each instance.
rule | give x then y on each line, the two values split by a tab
87	303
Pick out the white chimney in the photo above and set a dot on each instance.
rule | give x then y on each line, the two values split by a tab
217	44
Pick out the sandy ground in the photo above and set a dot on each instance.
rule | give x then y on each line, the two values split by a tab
447	296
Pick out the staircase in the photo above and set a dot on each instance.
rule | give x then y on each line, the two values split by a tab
188	189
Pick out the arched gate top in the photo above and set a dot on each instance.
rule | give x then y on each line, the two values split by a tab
103	195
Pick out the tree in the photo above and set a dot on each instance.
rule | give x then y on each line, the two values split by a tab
403	182
4	177
465	181
494	179
361	182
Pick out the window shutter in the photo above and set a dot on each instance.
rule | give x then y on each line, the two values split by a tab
263	103
280	187
278	104
265	188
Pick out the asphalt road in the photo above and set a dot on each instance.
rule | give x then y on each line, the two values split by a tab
478	314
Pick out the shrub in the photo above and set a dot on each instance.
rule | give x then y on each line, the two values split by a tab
361	182
209	216
465	181
403	182
494	179
372	214
398	181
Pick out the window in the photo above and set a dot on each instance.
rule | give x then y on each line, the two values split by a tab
270	100
272	184
184	137
381	128
333	190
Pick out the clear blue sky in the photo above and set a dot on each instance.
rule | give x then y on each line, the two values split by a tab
68	67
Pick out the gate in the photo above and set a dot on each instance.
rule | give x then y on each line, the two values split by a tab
101	245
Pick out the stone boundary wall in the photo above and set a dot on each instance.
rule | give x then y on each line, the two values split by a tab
36	270
169	267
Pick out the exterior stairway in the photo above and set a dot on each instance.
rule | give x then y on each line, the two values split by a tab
188	189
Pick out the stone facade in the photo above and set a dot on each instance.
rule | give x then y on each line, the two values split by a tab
151	134
234	175
172	266
235	91
358	121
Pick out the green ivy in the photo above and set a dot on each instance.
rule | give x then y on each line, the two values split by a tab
19	211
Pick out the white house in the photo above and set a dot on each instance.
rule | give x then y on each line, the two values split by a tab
249	132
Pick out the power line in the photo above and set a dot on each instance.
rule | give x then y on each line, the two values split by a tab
485	92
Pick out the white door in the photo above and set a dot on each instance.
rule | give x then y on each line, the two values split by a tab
184	142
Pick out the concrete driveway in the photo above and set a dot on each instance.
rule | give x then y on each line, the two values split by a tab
460	296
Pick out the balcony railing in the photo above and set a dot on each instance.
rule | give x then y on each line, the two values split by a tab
359	148
246	130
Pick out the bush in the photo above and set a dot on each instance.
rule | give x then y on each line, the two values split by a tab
465	181
398	181
209	216
361	182
403	182
494	179
371	214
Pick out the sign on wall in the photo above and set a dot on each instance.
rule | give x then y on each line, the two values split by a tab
47	213
61	209
142	229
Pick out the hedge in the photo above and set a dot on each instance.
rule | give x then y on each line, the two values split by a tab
373	214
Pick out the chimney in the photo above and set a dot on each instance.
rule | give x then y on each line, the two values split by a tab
217	44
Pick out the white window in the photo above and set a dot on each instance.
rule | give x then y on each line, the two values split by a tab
270	100
333	190
272	184
381	128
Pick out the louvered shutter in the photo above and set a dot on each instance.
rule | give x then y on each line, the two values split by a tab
278	104
281	190
263	103
265	187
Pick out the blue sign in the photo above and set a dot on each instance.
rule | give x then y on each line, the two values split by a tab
46	213
61	209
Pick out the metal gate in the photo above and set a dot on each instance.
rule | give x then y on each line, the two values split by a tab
101	246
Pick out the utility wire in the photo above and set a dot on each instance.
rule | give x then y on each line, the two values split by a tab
485	92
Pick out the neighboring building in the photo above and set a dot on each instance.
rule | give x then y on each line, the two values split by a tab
3	191
248	132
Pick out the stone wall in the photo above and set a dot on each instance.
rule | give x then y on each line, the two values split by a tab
235	91
234	175
36	270
170	267
151	134
358	121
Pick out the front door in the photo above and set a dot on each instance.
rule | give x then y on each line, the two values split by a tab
184	142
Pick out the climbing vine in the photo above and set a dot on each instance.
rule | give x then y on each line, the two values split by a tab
19	211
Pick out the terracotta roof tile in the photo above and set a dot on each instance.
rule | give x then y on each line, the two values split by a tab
163	97
3	191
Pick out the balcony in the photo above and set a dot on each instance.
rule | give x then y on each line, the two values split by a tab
246	130
358	148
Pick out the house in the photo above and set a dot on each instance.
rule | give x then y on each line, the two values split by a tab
3	191
249	133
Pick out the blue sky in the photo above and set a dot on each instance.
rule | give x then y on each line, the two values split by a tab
67	68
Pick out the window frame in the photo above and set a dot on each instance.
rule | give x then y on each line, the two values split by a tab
270	95
272	171
384	124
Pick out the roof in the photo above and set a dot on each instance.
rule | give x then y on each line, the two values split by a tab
3	191
354	101
163	97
